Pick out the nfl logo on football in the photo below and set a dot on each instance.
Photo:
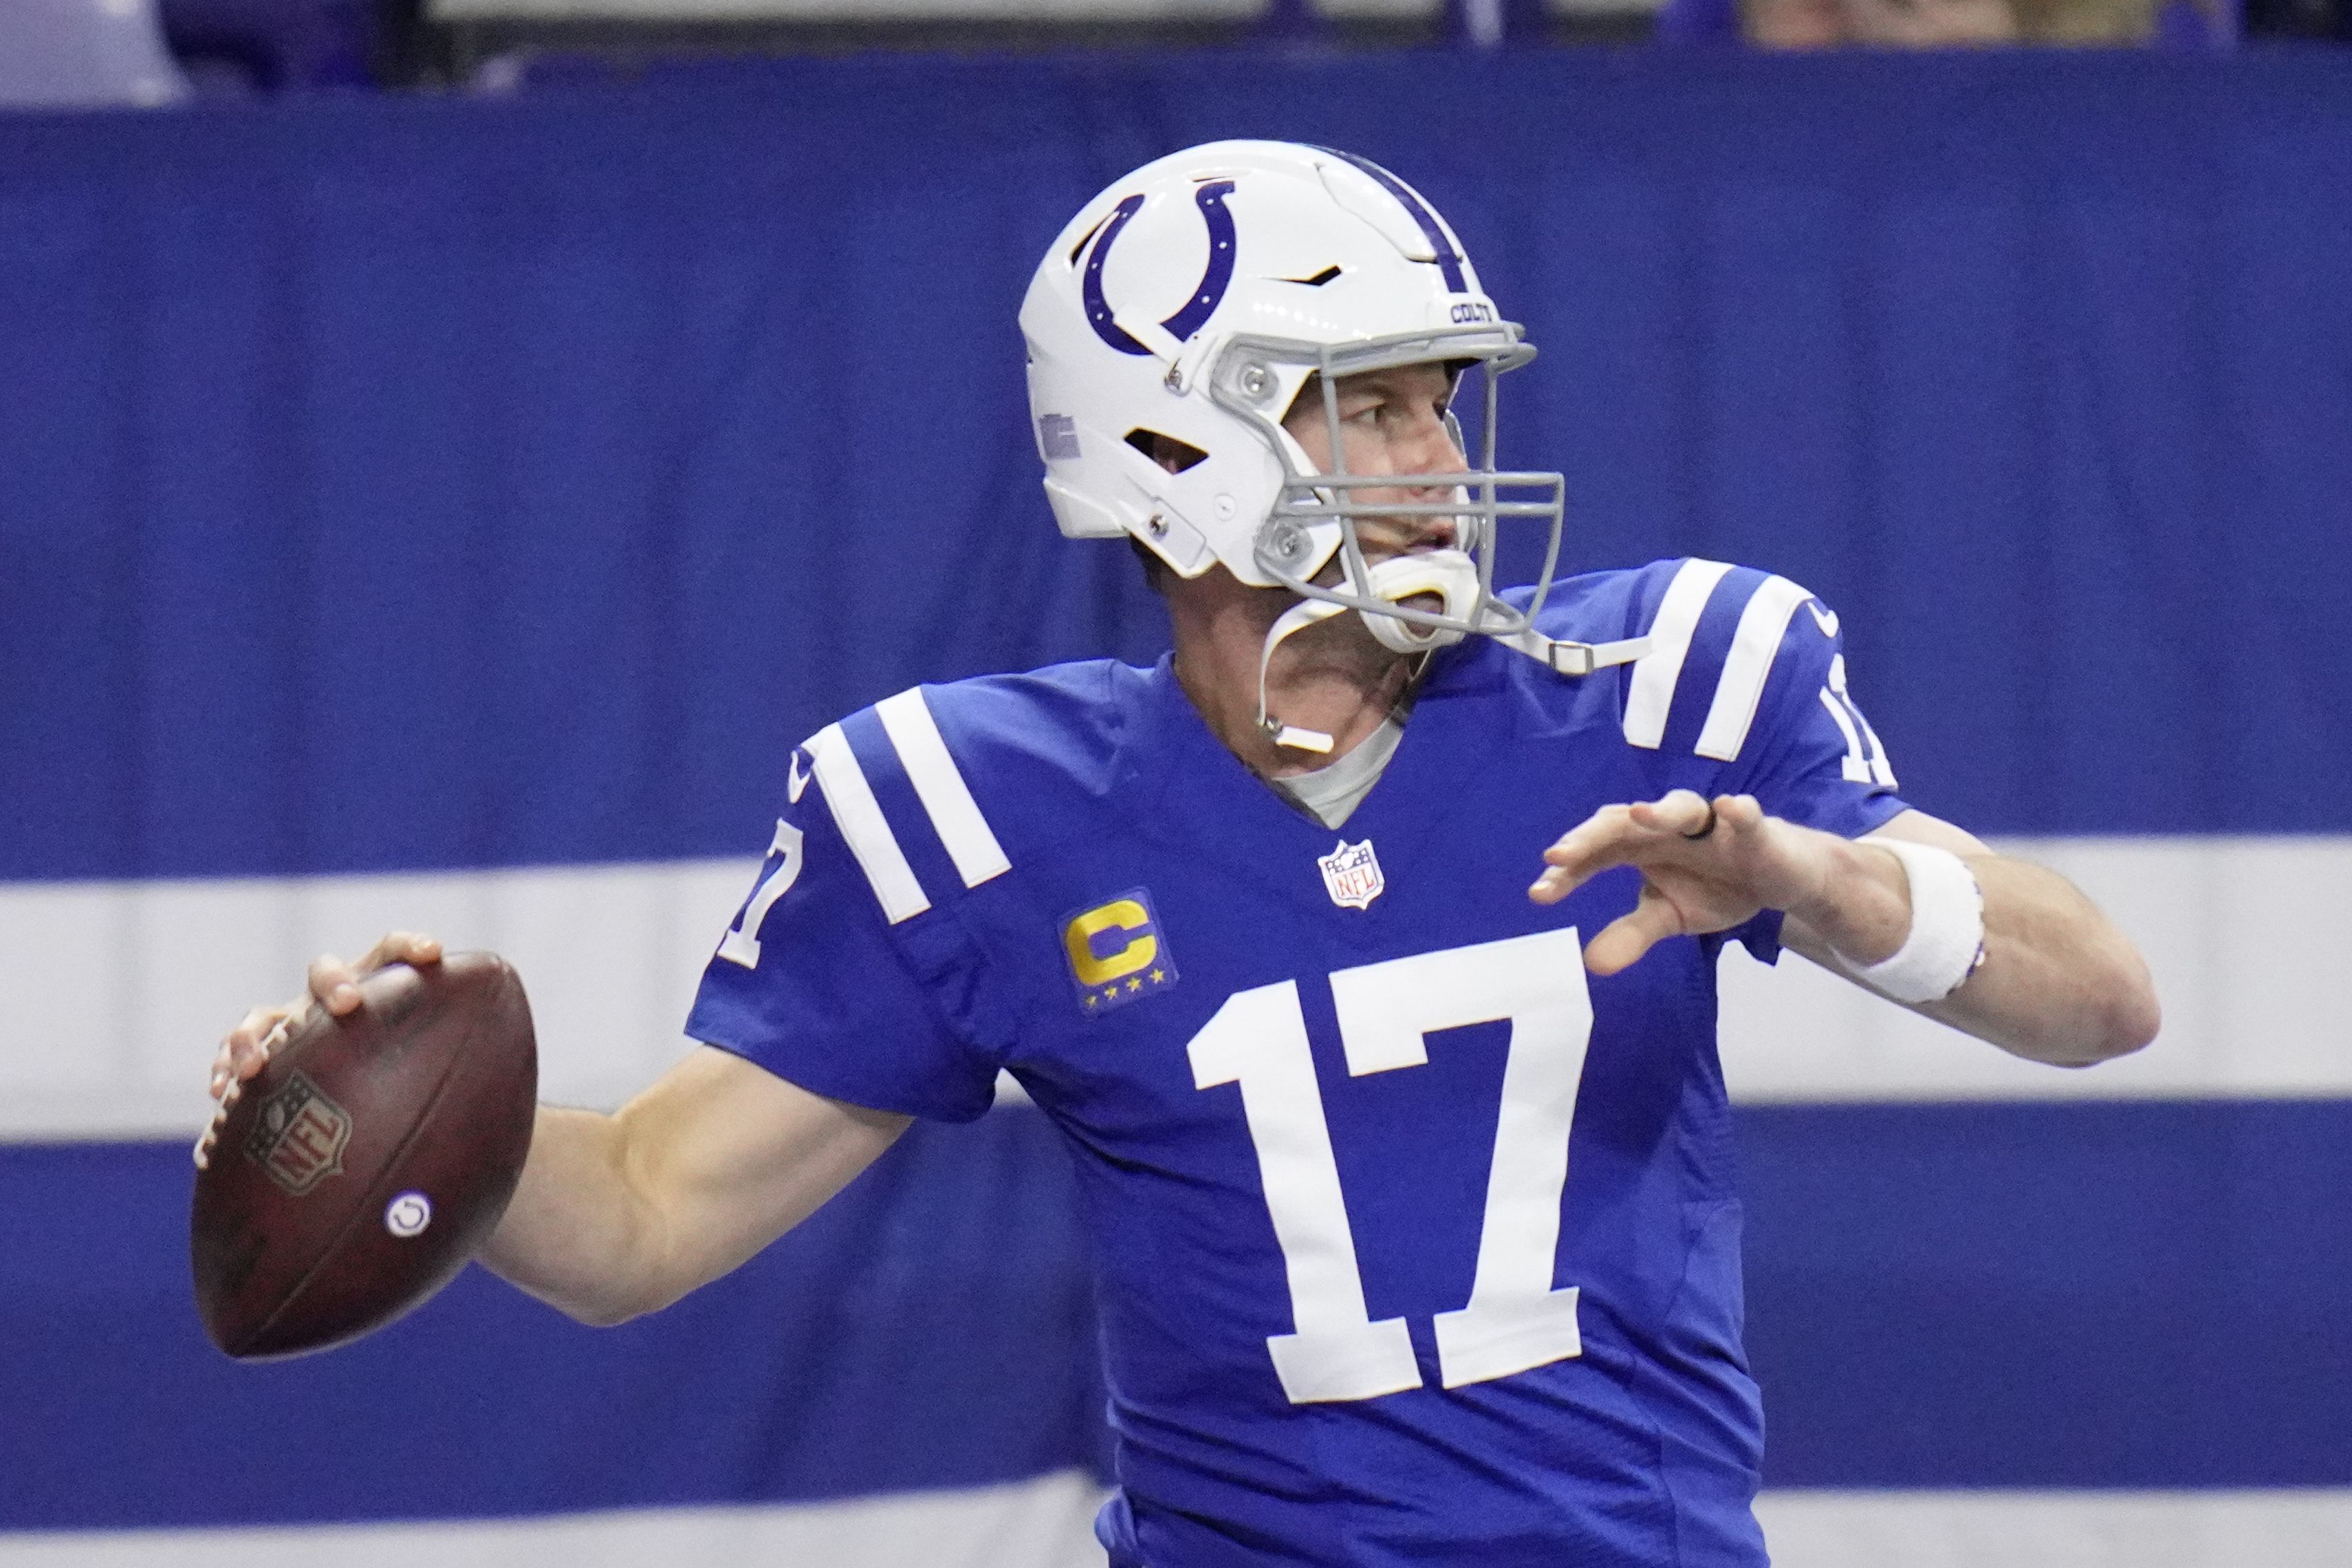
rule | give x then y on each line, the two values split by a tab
299	1136
1352	875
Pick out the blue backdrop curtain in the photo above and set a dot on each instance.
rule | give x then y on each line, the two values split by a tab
449	484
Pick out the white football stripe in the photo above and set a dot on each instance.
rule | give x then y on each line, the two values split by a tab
938	783
1652	692
867	832
1741	685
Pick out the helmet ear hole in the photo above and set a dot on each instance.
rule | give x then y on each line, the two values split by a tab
1165	450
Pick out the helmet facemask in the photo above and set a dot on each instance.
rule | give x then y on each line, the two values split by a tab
1314	516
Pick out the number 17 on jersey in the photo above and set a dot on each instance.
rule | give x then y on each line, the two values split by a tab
1515	1320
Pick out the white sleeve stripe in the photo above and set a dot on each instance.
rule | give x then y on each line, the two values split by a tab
1754	646
867	832
1652	692
907	719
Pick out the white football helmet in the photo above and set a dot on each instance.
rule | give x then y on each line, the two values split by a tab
1185	308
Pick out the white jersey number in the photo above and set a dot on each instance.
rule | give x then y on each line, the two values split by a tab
741	942
1865	759
1514	1319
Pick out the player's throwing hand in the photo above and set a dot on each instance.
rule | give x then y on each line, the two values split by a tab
1706	866
333	984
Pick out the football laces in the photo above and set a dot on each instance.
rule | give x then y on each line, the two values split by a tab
205	1145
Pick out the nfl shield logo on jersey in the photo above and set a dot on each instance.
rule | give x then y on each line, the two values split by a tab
1352	875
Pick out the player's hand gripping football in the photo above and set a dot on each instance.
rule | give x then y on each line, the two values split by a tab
1705	867
333	984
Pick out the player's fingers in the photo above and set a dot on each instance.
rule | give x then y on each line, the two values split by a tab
1592	846
1683	812
1750	849
1623	942
1740	812
245	1048
262	1023
333	982
401	947
1619	836
252	1028
1607	833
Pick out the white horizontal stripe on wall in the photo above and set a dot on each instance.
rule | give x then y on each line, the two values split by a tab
113	995
2057	1529
1042	1523
2249	940
1047	1523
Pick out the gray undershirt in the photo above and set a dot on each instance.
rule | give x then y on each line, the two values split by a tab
1331	793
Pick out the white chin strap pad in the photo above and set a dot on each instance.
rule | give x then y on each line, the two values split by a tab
1297	618
1450	576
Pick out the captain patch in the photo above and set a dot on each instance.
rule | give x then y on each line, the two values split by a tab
1117	953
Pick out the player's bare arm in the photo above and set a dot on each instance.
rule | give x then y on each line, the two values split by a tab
2058	982
621	1214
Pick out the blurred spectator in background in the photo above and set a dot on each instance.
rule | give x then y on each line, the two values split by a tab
95	52
1941	24
84	54
2299	19
268	46
1908	24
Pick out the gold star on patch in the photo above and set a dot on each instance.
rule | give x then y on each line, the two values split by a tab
1092	998
1111	994
1158	975
1135	986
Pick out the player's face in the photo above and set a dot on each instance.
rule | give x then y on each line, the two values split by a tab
1390	422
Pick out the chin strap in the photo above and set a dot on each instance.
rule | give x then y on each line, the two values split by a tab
1297	618
1573	658
1452	577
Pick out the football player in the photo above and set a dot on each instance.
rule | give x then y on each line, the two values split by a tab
1363	948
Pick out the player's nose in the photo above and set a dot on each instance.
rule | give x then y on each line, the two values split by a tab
1431	450
1430	447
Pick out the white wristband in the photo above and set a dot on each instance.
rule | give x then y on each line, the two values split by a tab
1946	938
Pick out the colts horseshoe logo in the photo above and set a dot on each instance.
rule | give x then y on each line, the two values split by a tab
1210	199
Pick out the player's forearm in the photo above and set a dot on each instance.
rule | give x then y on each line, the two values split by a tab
579	1236
619	1215
2059	982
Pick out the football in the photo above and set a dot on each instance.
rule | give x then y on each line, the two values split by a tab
367	1160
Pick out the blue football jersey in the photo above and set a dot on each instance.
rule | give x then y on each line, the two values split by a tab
1417	1244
